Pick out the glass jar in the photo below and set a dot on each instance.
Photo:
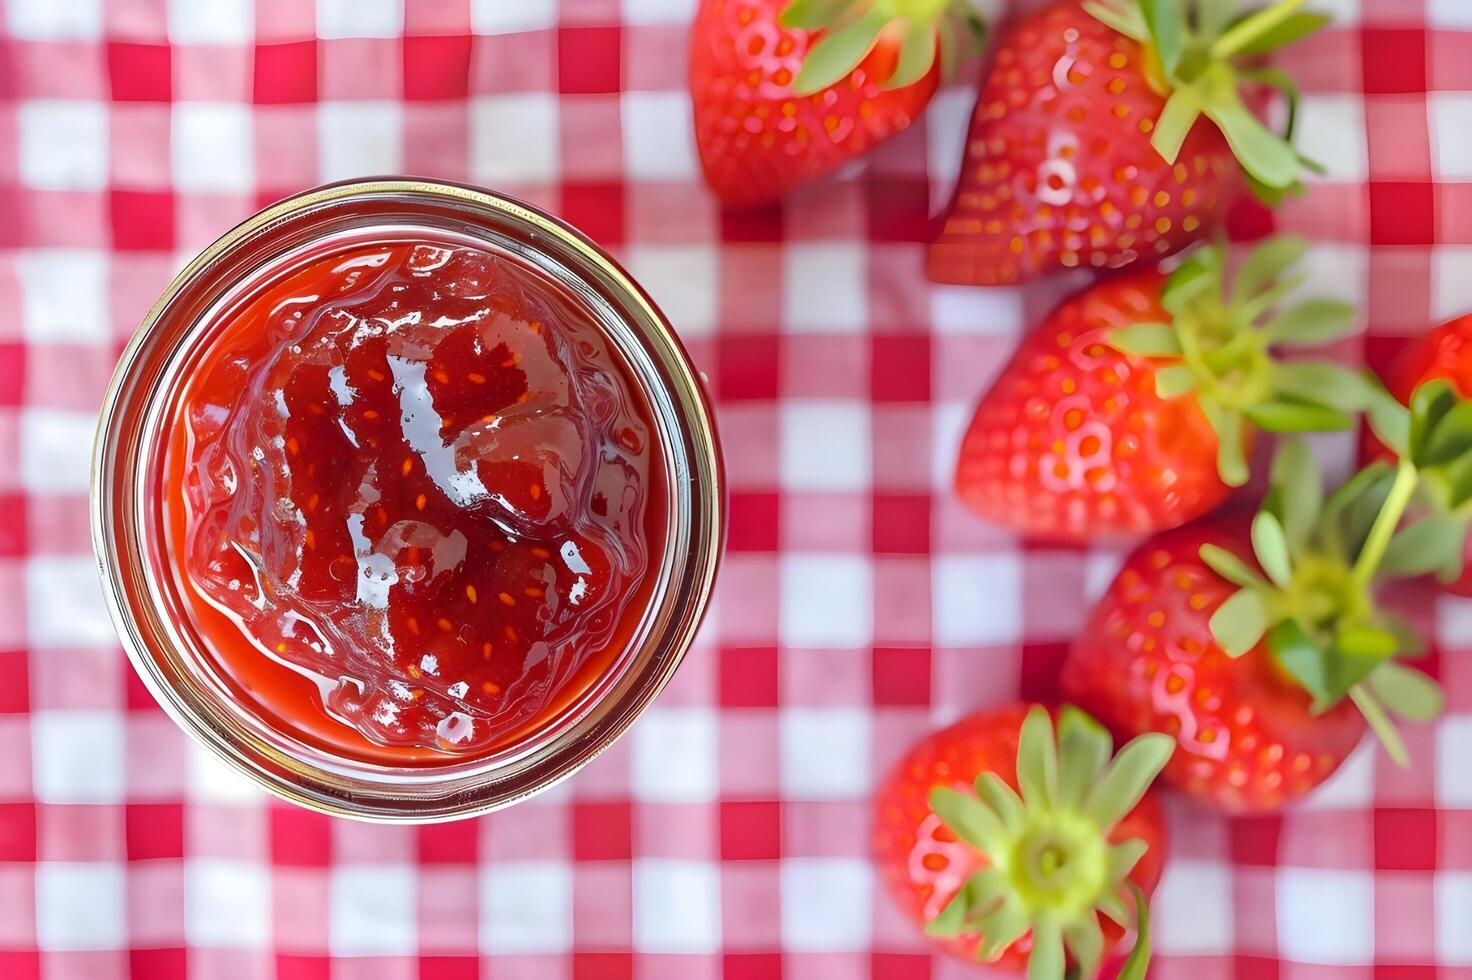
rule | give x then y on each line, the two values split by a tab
172	653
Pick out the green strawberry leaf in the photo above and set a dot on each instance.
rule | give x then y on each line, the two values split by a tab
839	52
1265	264
1407	692
1180	113
1298	492
1240	622
1431	545
1084	747
1430	403
1450	438
1127	778
1167	31
1251	29
1381	725
1279	415
1037	761
1317	321
969	818
1137	964
1000	928
1174	380
1230	567
1293	28
1084	940
813	15
1146	340
1201	271
1298	654
1231	459
1003	800
1122	15
1360	640
1390	421
1270	545
917	55
951	920
1324	383
1262	153
1047	959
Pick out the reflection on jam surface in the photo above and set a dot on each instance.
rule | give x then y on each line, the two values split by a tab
415	475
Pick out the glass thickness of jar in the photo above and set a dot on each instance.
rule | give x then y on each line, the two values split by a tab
171	656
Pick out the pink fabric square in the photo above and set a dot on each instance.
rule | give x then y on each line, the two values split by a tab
1255	910
834	521
437	140
694	685
504	63
77	679
156	903
825	366
608	775
826	828
134	282
1454	840
300	898
18	898
959	530
823	210
15	749
1328	61
1409	786
527	967
538	832
285	147
1408	156
442	17
1448	69
602	904
1336	839
1405	917
903	156
59	70
895	933
12	601
1400	291
1196	835
137	20
679	966
676	830
902	590
751	905
1454	213
894	731
656	57
1053	604
360	68
57	525
67	376
65	219
86	965
749	755
375	968
963	366
588	11
592	138
213	73
10	302
825	678
899	296
749	304
1328	212
902	446
78	832
155	756
223	831
368	843
970	678
823	966
9	145
448	921
747	600
671	212
206	963
286	20
139	157
199	218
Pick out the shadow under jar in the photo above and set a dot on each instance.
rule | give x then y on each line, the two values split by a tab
407	500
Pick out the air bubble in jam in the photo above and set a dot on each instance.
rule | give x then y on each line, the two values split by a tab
416	475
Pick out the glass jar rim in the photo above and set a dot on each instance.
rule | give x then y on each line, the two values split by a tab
128	449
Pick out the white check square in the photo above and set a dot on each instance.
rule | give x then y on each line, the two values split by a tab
825	753
658	11
55	20
226	903
1194	909
1453	749
826	445
373	911
525	907
677	907
827	601
1332	127
827	904
215	22
213	147
360	18
824	288
53	450
359	139
63	143
1451	121
978	600
1326	917
208	779
683	282
77	756
80	906
675	758
1451	281
64	604
659	142
514	138
64	295
1453	914
501	17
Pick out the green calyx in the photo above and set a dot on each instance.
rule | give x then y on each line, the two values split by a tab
1313	603
1201	55
953	29
1219	349
1433	435
1051	868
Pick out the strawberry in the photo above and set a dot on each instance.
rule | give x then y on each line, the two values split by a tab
1087	146
1129	409
1445	355
784	92
1011	878
1262	652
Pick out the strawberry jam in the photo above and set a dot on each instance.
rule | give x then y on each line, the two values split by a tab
419	500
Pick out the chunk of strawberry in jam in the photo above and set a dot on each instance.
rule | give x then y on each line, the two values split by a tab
421	476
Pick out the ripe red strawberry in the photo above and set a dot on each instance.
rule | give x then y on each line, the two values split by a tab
1443	354
1040	876
1101	137
787	90
1100	425
1263	654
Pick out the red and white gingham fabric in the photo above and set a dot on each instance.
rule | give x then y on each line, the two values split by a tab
859	606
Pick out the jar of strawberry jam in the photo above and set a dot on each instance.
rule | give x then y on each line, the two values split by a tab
407	500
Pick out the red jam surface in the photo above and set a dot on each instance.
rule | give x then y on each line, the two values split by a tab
417	509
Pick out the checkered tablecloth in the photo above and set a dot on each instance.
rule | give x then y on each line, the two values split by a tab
858	607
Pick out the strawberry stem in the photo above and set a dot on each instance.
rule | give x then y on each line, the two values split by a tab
1236	38
1386	521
